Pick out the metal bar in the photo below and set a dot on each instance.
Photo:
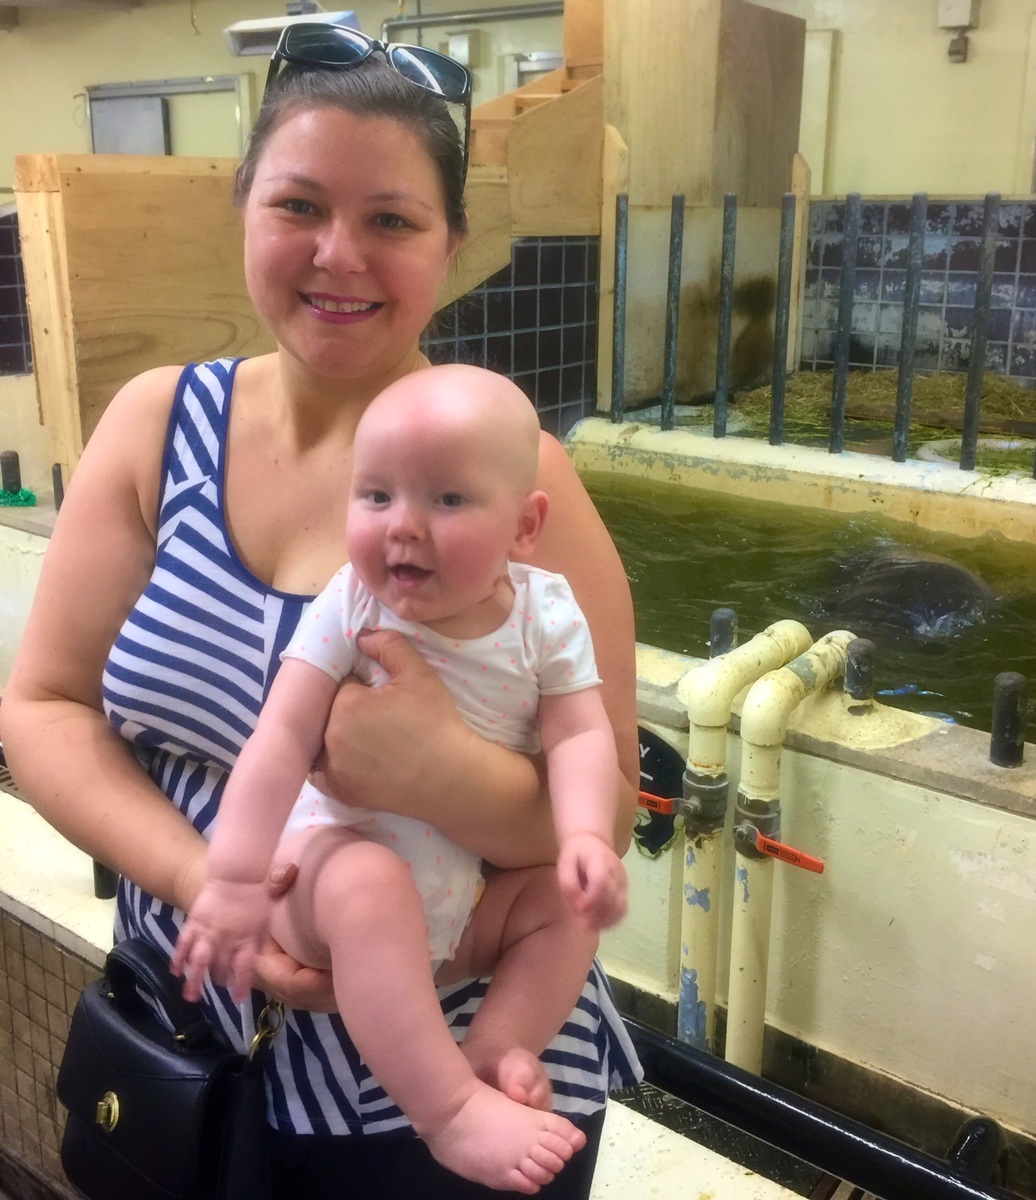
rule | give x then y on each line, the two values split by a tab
908	337
781	317
163	87
722	631
672	310
619	308
979	332
512	13
724	314
829	1141
846	287
1010	707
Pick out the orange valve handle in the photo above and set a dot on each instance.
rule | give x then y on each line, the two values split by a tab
658	804
787	854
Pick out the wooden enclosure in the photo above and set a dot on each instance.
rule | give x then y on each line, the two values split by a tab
132	262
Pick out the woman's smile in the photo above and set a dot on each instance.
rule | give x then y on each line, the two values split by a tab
340	311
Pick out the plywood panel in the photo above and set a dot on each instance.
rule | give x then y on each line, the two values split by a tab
42	236
758	102
155	275
554	165
584	33
661	61
487	248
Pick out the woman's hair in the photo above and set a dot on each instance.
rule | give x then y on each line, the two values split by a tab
370	89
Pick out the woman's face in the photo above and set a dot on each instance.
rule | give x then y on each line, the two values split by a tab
346	242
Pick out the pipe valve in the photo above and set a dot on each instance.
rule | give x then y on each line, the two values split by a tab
751	841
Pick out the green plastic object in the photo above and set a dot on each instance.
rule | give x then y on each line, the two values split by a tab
23	498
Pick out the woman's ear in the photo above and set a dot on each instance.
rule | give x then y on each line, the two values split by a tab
530	524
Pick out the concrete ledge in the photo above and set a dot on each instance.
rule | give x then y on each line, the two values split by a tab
935	496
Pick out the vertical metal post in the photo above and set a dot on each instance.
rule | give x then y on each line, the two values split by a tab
908	337
59	486
1010	704
781	317
846	287
722	631
858	681
672	310
10	472
724	314
979	332
619	309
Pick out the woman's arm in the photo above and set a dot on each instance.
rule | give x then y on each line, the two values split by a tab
79	774
404	748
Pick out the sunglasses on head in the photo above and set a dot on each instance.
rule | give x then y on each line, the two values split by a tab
319	45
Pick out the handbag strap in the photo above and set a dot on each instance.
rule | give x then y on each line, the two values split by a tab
136	963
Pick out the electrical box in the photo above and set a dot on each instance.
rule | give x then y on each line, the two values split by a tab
958	14
464	47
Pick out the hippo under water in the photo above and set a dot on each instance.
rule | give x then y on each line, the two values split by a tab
899	591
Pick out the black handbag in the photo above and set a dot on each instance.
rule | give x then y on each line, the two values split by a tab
154	1113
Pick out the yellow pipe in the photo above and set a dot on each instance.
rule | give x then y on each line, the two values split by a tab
764	722
708	692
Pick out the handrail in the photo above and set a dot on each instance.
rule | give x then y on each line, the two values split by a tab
829	1141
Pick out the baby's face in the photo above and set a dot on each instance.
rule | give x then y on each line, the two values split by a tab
432	519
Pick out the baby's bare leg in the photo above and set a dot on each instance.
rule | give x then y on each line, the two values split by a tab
523	933
355	907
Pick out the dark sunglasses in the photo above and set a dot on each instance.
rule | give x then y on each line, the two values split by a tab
316	44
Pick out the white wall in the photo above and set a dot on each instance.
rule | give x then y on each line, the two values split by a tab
21	431
21	556
53	54
901	117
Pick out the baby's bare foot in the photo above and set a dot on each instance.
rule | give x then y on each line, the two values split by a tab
492	1140
521	1076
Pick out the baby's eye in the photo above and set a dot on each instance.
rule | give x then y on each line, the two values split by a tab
452	499
378	497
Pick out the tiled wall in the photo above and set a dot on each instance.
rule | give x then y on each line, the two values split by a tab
40	983
953	237
15	352
535	321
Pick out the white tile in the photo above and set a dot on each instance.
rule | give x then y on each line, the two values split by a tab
641	1160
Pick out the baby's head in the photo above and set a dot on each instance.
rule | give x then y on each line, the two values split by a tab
443	492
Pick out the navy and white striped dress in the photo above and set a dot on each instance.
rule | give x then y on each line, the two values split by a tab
183	684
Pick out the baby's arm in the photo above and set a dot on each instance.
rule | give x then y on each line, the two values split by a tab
227	922
583	775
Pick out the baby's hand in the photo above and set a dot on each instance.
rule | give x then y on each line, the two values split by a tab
223	936
592	879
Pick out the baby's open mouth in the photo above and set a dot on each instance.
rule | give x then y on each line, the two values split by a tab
408	572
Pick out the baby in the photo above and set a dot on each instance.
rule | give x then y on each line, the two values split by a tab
442	506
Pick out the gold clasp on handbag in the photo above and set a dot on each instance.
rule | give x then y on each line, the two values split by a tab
107	1115
268	1026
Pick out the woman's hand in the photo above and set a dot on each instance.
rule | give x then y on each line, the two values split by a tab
384	746
282	977
403	748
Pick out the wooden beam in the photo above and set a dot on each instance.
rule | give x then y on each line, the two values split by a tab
554	165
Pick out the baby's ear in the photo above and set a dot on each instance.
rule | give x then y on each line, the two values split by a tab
530	524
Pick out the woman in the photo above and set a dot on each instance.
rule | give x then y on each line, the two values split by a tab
207	509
